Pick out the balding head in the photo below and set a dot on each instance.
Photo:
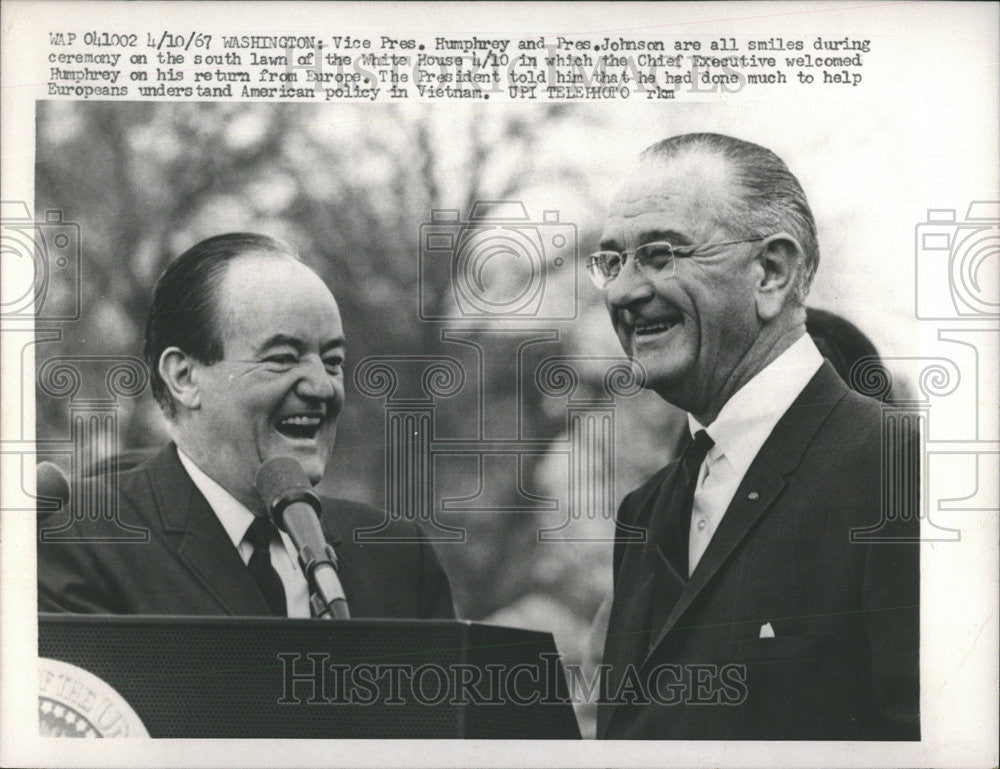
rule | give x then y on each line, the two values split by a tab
185	307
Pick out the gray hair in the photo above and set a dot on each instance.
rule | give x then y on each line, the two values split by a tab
769	199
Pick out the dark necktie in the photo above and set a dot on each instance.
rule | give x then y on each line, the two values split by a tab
673	537
694	456
260	534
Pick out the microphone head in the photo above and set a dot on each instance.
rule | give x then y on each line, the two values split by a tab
52	487
281	481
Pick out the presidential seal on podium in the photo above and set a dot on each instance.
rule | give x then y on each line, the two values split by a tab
73	702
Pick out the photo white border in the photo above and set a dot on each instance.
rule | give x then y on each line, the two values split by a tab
945	51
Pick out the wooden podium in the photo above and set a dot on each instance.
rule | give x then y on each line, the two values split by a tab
238	677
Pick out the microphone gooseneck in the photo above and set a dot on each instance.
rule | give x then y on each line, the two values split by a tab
294	507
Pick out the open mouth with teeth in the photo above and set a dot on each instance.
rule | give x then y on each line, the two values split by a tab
300	426
649	329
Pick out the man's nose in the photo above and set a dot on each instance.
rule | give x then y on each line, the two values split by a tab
629	287
314	381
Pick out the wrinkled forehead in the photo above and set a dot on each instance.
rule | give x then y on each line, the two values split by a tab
688	195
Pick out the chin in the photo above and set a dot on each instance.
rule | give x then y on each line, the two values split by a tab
639	372
665	380
313	466
312	462
313	473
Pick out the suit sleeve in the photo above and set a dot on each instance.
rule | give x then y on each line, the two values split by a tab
71	579
435	589
892	597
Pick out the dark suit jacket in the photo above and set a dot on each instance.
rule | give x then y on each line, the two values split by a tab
844	660
189	565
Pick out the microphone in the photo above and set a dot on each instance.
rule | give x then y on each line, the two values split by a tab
52	488
294	508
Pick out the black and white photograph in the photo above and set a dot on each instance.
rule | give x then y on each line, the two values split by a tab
550	384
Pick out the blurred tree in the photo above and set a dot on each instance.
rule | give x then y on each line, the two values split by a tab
349	187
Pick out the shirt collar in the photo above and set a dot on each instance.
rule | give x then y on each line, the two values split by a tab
232	514
749	416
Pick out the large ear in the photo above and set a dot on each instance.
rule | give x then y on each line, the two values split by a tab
782	259
177	368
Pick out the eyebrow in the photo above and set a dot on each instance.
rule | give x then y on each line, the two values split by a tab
279	340
651	236
332	344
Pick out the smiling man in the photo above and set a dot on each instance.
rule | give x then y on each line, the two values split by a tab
246	348
775	595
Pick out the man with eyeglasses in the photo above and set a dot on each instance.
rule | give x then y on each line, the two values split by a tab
766	583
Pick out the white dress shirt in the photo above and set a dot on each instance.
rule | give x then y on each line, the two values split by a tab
739	431
236	519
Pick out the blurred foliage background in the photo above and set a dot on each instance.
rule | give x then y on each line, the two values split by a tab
350	187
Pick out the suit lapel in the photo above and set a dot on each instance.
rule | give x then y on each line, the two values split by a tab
198	538
363	586
665	529
628	639
667	557
350	563
762	484
327	521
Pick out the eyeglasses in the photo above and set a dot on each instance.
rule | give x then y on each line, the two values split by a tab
653	260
